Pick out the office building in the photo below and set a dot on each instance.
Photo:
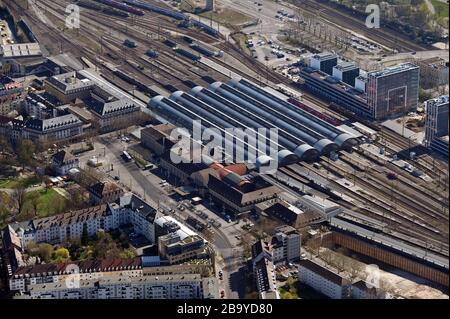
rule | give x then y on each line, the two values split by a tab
393	91
177	243
324	62
332	90
433	72
112	113
235	194
68	86
157	138
436	122
346	72
64	128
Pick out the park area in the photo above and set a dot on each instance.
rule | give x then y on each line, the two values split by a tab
21	204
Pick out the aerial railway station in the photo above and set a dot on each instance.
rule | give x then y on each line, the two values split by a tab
242	104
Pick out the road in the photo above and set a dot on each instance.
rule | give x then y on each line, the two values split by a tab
146	184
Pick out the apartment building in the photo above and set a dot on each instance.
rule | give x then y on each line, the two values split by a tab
111	279
104	192
286	244
186	286
63	227
323	280
27	276
10	94
264	270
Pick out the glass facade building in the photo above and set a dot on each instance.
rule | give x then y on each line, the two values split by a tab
393	91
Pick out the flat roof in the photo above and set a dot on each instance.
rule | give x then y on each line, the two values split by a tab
345	66
21	50
394	69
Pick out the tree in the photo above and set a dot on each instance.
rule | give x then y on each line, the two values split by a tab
45	251
61	255
59	204
4	215
25	151
77	199
5	145
33	199
19	197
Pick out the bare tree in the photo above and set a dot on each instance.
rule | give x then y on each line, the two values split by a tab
354	269
19	197
34	201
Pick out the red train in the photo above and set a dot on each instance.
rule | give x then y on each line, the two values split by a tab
122	6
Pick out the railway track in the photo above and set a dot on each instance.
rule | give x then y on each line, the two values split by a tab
408	230
383	35
407	202
403	177
172	66
435	170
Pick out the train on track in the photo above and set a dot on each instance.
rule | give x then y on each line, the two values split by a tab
122	6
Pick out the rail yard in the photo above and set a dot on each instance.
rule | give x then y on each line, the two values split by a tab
393	191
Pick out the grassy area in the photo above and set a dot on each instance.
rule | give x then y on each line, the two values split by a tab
293	289
441	9
227	16
46	201
289	289
19	182
241	39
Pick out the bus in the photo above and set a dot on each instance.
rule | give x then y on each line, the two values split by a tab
126	156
